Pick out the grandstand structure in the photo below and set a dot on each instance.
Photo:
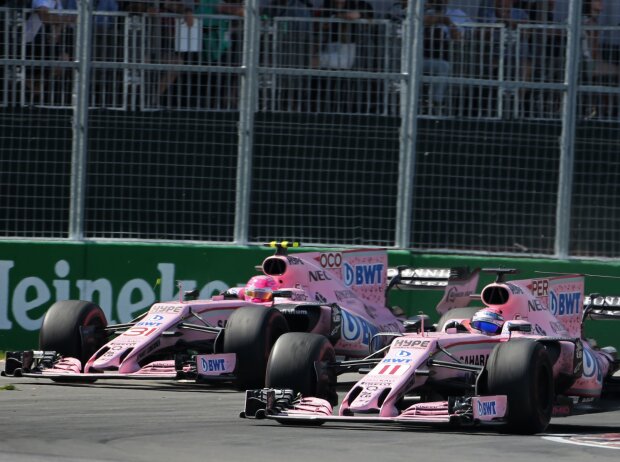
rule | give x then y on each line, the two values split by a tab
362	124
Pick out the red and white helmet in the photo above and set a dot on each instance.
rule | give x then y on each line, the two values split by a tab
260	289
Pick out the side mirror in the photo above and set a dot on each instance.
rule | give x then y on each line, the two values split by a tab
519	327
414	323
190	295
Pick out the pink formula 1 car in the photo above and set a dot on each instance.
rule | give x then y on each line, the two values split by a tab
518	360
338	296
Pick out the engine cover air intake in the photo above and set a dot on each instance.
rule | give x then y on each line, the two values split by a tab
495	295
274	266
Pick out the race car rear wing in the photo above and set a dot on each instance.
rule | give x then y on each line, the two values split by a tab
409	278
458	284
597	306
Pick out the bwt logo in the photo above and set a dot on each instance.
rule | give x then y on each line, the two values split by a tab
355	329
363	274
565	304
487	408
213	365
148	324
591	366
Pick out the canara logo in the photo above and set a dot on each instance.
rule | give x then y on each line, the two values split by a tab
477	360
565	303
454	292
20	300
363	274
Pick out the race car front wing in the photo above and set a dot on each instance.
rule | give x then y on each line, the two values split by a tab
50	365
285	406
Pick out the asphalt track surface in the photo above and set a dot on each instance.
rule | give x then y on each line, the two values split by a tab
162	421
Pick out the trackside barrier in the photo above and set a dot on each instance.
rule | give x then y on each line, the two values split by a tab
125	279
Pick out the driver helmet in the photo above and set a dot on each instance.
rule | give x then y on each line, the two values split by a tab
260	289
488	322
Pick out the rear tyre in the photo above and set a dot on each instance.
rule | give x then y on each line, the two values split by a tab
522	370
292	365
251	332
73	328
456	313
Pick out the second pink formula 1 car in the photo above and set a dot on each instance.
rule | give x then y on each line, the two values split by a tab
337	295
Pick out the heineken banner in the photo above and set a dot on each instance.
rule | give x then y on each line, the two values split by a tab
126	279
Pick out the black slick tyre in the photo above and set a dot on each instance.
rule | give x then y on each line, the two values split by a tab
522	370
292	365
73	328
251	332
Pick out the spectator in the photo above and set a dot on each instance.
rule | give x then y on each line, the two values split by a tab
442	26
106	82
504	12
598	71
439	31
294	36
548	60
45	34
597	66
167	52
548	45
533	8
221	46
610	41
234	8
293	49
215	32
160	42
338	47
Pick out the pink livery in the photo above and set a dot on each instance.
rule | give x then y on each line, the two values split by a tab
517	359
338	295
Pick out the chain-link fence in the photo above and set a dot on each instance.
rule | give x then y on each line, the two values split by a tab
469	125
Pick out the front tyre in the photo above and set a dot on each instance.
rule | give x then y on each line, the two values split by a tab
293	364
73	328
522	370
251	332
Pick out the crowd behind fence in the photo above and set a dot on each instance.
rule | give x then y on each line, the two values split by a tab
390	128
147	62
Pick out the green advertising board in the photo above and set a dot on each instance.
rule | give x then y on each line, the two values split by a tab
126	279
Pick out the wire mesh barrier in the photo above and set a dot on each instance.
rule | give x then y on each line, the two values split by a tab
157	62
447	126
